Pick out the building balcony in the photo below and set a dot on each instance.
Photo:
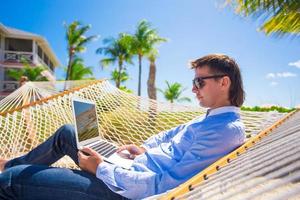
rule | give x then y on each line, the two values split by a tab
11	57
41	62
17	57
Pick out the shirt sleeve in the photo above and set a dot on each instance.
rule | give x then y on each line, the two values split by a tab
128	183
162	137
137	185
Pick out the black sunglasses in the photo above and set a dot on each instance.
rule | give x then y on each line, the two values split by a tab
199	82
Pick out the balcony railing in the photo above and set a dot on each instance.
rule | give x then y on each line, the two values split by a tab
11	56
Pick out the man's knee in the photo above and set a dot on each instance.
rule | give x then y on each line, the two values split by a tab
67	132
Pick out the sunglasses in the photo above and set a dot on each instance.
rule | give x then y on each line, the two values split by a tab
199	82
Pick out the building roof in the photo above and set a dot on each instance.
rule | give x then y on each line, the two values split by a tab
42	42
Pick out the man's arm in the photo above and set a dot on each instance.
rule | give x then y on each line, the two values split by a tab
138	185
143	183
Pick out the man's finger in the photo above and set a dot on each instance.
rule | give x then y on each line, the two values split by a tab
122	148
89	151
80	155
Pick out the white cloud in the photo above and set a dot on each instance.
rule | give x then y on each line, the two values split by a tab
286	74
273	83
280	75
270	75
295	64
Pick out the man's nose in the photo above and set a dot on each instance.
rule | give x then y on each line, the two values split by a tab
194	89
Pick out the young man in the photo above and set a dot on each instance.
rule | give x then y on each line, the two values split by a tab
163	162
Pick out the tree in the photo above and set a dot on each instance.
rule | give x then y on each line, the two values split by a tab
119	77
143	42
173	92
117	50
281	17
152	74
33	73
76	42
125	89
79	71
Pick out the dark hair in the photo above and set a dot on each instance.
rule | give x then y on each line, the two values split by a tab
222	64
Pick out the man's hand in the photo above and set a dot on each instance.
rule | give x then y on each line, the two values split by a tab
89	162
132	149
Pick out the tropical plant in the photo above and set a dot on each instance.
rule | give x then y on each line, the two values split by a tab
173	92
79	71
33	73
279	17
119	77
143	41
76	42
125	89
117	50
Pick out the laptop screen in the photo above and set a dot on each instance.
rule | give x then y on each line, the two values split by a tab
86	120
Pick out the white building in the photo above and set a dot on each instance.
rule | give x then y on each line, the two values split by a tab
16	44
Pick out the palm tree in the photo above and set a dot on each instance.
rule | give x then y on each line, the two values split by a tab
32	73
117	50
152	74
280	17
173	92
79	71
119	77
143	41
76	42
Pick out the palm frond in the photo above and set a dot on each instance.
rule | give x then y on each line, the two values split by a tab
107	61
283	24
280	17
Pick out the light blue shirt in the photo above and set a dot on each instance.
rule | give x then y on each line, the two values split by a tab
176	155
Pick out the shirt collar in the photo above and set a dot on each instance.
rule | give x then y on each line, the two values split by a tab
220	110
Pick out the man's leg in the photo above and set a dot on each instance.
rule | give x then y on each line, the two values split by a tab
62	142
36	182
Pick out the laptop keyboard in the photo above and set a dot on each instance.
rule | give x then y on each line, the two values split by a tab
106	149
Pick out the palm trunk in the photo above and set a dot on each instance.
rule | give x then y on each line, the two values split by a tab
69	64
69	68
118	81
152	94
140	75
151	81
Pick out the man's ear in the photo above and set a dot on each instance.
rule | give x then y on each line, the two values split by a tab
226	82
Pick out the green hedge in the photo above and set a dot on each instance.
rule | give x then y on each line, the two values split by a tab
264	109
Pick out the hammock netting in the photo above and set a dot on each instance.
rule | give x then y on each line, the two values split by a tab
36	110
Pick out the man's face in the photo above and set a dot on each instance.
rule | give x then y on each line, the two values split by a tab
211	95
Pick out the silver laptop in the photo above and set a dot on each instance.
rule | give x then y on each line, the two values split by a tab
88	135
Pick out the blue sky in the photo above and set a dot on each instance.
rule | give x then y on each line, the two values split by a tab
270	66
